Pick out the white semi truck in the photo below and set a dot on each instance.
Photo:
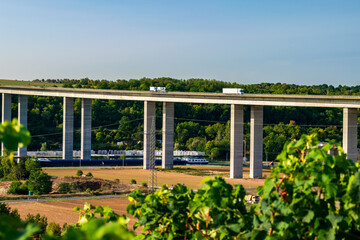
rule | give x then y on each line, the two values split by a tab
158	89
233	91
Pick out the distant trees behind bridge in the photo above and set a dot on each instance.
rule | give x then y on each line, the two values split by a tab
201	127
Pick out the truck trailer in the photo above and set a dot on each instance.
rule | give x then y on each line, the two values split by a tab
158	89
233	91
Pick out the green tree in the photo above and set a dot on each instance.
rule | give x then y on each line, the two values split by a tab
43	146
40	182
41	222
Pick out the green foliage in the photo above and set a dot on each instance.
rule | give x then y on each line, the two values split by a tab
79	173
216	211
132	181
54	229
43	146
13	170
96	192
310	195
14	135
12	228
89	174
17	187
97	223
39	182
74	187
64	187
6	210
31	165
41	222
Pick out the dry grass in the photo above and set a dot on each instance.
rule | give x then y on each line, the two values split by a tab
190	176
62	211
28	83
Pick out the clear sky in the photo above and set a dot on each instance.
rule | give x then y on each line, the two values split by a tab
246	41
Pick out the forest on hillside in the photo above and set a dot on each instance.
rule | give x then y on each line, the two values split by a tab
201	127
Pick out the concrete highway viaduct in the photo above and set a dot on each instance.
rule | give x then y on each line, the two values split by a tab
349	104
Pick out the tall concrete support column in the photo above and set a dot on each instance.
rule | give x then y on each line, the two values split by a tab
22	117
168	135
68	128
256	141
350	133
85	129
149	117
236	141
6	113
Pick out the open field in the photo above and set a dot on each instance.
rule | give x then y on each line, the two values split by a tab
62	211
28	83
189	175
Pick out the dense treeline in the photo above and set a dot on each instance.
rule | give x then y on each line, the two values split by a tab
203	127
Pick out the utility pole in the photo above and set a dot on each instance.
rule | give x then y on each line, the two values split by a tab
152	180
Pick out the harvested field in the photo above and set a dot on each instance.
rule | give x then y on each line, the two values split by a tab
63	211
189	175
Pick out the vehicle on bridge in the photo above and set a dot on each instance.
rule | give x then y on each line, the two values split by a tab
233	91
158	89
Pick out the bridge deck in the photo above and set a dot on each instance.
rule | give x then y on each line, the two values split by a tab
190	97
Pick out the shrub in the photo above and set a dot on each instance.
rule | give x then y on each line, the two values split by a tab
216	211
74	187
88	190
16	187
96	192
64	187
144	184
89	174
79	173
54	229
40	182
32	165
6	210
38	220
132	181
117	180
310	194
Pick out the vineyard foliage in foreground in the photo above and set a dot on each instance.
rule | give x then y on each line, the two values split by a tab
309	195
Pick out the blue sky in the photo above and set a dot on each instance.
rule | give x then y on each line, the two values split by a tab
301	42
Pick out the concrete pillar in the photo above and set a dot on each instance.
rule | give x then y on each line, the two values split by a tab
350	133
22	117
236	141
6	112
168	135
68	128
85	129
256	141
149	117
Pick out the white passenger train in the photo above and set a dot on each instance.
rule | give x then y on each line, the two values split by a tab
195	160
